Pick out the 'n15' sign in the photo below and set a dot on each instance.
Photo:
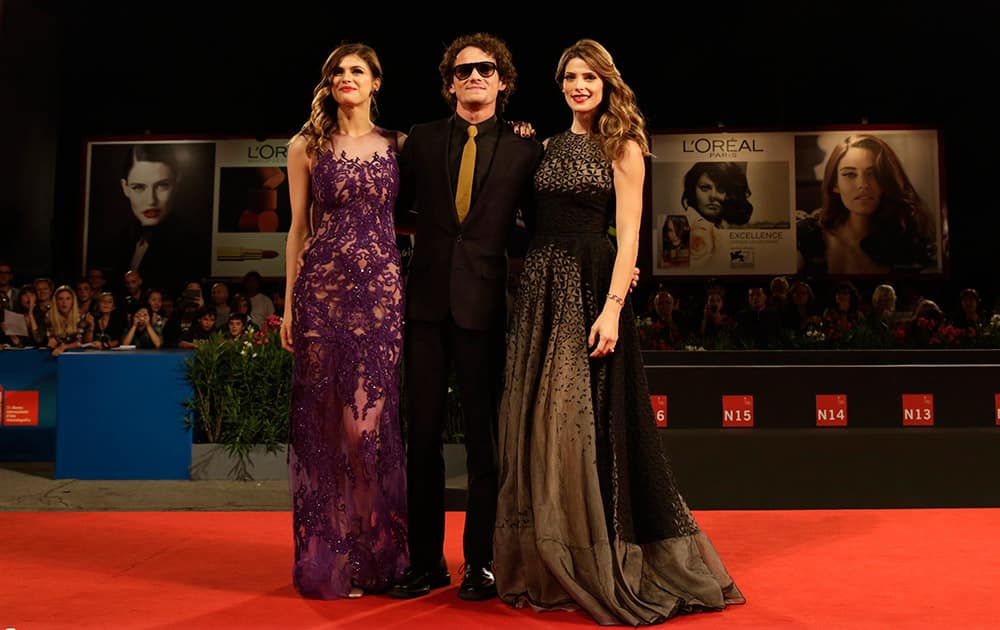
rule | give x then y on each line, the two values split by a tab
737	411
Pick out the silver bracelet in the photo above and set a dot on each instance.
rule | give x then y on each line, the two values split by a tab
614	298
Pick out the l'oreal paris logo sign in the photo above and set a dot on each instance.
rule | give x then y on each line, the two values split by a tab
267	152
721	147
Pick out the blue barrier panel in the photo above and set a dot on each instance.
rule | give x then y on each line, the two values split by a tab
121	415
30	370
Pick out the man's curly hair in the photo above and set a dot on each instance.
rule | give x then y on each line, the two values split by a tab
490	44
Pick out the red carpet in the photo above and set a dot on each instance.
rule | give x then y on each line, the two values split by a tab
193	570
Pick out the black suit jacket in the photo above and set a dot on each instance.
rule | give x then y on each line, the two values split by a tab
461	269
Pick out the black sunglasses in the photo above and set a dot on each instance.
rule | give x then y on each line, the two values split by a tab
464	70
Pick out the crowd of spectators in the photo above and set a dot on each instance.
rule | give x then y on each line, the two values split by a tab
107	313
791	313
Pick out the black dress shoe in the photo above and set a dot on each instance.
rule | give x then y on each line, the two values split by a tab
478	583
414	583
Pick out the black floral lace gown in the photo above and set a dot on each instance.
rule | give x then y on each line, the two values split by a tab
347	470
588	513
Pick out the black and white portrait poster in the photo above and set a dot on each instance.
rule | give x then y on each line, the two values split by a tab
148	207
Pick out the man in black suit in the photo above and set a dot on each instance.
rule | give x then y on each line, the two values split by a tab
465	177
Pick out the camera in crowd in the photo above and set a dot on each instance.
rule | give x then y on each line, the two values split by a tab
190	298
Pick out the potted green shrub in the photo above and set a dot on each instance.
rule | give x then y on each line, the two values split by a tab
241	389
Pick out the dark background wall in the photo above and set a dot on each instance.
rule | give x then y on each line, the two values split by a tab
69	71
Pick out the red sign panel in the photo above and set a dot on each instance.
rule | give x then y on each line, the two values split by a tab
737	411
659	409
918	410
20	409
831	410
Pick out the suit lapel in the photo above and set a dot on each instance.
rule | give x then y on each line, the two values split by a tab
441	167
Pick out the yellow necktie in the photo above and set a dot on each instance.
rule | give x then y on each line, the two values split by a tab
463	193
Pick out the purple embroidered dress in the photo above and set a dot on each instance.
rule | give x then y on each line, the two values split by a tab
346	465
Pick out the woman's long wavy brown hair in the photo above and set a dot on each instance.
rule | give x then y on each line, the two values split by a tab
900	201
322	123
902	232
619	118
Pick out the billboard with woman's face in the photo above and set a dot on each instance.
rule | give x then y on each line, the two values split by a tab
844	203
181	210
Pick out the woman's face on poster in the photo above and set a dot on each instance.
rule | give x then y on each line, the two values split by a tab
672	235
857	183
708	197
149	188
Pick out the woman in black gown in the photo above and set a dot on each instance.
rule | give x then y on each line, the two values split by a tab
588	514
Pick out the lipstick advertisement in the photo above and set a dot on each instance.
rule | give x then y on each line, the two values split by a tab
253	212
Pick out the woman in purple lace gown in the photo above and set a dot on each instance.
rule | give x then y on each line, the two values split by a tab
343	320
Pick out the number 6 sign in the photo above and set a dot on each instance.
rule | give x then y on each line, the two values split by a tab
659	409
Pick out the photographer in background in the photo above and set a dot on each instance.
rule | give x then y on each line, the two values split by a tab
142	334
714	319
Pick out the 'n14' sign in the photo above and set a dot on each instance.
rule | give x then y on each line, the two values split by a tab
831	410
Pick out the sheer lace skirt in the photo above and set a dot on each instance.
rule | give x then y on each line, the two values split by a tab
347	469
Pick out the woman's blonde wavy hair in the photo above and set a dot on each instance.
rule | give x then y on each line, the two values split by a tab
322	123
619	118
